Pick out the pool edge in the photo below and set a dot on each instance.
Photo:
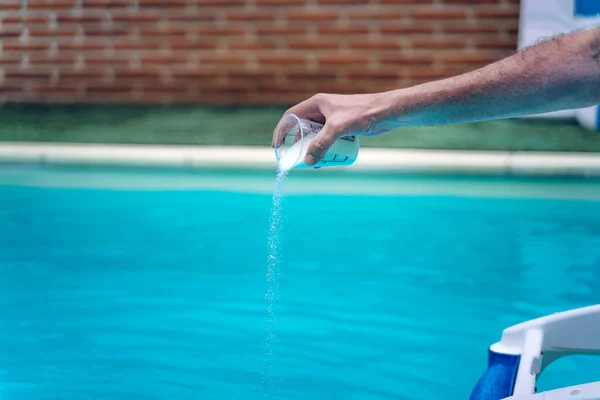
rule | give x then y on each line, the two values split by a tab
261	158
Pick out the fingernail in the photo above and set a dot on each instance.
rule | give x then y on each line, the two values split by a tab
310	160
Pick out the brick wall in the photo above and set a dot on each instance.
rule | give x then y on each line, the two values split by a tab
241	51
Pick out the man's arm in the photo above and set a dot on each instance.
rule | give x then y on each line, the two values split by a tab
561	73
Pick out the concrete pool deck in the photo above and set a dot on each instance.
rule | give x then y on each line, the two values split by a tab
262	158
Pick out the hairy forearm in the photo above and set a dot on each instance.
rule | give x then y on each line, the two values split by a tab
562	73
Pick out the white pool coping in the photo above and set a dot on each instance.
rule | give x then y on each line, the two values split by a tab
261	158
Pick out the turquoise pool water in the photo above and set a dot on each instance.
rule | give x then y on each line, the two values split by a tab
158	293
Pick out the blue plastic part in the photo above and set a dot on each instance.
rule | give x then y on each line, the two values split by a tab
587	7
498	382
597	127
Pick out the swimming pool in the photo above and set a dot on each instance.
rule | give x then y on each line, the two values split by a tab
140	284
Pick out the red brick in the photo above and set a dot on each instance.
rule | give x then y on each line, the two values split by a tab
47	88
281	30
250	45
10	59
8	5
164	59
311	16
108	3
105	32
137	73
10	33
405	29
438	14
11	87
19	73
46	32
61	59
388	74
513	31
341	59
277	98
162	3
406	60
217	3
419	2
189	16
81	46
230	58
99	59
132	44
71	74
24	46
311	75
220	30
161	30
286	3
470	29
469	59
195	74
189	45
164	88
342	2
376	14
250	75
50	5
328	29
281	59
312	44
108	88
250	15
381	44
428	74
143	16
470	2
274	87
25	19
496	14
80	18
496	44
438	44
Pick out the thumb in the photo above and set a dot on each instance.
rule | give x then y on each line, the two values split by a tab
320	145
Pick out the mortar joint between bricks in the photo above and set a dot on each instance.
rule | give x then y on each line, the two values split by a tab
54	77
191	34
109	75
2	75
79	61
164	75
53	49
24	34
24	61
135	62
52	24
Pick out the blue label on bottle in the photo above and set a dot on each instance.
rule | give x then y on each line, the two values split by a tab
587	8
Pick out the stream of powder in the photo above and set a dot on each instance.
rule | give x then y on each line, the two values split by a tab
275	242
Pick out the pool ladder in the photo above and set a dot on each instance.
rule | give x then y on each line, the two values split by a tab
526	349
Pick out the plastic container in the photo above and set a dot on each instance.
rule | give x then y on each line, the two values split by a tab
526	349
293	137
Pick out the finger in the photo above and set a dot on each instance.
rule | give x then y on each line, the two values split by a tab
283	129
308	109
320	145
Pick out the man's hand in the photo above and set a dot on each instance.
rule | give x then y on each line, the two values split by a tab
342	115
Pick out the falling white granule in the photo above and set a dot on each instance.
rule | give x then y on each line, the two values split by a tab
275	242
